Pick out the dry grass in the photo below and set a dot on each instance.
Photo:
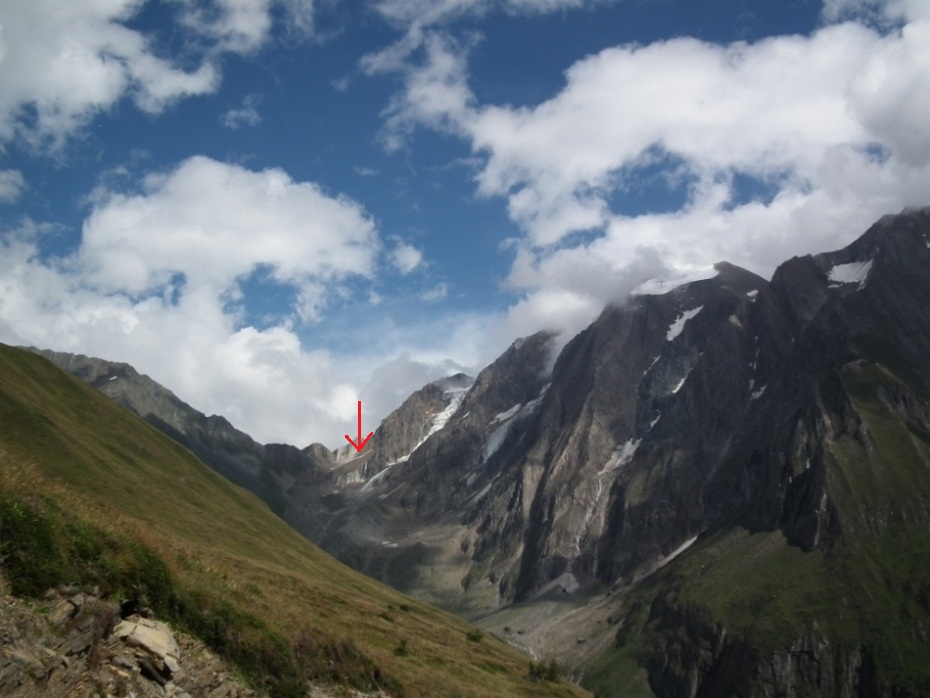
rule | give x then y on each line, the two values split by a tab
63	441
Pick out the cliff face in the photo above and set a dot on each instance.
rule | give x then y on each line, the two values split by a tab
813	574
792	412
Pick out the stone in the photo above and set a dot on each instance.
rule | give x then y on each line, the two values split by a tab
63	611
154	638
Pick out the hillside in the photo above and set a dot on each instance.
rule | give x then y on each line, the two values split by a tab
93	495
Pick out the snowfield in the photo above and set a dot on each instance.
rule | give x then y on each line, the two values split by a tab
852	273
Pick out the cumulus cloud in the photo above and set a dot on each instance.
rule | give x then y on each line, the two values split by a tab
212	222
406	258
63	62
788	145
157	278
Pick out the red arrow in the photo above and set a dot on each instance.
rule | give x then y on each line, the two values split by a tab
361	444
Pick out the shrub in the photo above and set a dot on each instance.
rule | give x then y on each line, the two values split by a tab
545	671
474	635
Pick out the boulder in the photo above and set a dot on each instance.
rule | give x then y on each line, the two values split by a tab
153	637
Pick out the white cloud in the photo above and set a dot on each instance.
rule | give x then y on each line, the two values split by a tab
836	125
882	11
406	258
213	223
63	62
155	282
436	293
60	63
239	26
11	185
246	115
433	12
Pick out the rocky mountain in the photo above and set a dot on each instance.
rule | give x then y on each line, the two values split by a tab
268	470
720	490
793	413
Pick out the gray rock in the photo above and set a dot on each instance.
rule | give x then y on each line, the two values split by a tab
155	638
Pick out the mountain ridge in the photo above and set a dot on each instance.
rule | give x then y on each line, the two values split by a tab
729	414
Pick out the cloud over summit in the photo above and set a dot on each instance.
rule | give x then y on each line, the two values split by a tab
399	205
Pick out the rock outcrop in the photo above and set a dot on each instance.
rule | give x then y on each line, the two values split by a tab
75	644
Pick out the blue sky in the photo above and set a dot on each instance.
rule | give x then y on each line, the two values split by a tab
279	207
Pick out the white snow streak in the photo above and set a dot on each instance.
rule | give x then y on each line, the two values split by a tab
379	476
621	455
676	552
441	419
504	416
854	272
658	287
756	395
508	419
676	327
495	441
649	368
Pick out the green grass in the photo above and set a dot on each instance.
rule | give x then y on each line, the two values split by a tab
118	501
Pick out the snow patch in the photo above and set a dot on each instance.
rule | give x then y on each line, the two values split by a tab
379	476
457	395
621	455
112	378
756	395
852	273
752	294
680	383
660	286
506	420
655	421
441	419
495	441
504	416
676	327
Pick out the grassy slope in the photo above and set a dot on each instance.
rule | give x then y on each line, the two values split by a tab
82	461
872	591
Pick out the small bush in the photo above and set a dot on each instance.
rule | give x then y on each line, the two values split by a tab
545	671
401	650
474	635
